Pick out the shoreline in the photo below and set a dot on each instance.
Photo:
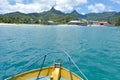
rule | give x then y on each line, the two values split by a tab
14	25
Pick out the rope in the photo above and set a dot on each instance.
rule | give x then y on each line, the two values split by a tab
44	56
37	60
75	65
71	78
41	67
30	65
34	62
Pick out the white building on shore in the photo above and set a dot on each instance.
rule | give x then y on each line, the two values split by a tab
77	22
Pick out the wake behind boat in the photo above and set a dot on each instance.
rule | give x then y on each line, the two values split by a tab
55	72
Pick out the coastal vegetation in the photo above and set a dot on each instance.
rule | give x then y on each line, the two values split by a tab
118	22
54	16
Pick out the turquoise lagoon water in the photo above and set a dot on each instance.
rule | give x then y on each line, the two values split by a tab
96	50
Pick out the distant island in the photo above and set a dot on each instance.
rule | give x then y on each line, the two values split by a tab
54	17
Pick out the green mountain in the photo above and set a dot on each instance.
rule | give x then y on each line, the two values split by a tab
76	14
51	12
15	13
17	17
57	17
54	11
97	16
117	14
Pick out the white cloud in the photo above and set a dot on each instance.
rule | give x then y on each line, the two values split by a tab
29	8
18	1
20	6
116	1
83	13
99	7
65	5
38	5
4	5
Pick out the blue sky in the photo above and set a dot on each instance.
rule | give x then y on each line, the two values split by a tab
82	6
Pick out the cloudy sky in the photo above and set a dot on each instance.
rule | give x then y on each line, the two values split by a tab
82	6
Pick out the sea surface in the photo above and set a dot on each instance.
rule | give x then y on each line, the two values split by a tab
96	50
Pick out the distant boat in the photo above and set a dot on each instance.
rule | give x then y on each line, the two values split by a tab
55	72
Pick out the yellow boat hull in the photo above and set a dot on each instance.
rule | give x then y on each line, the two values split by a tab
48	71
